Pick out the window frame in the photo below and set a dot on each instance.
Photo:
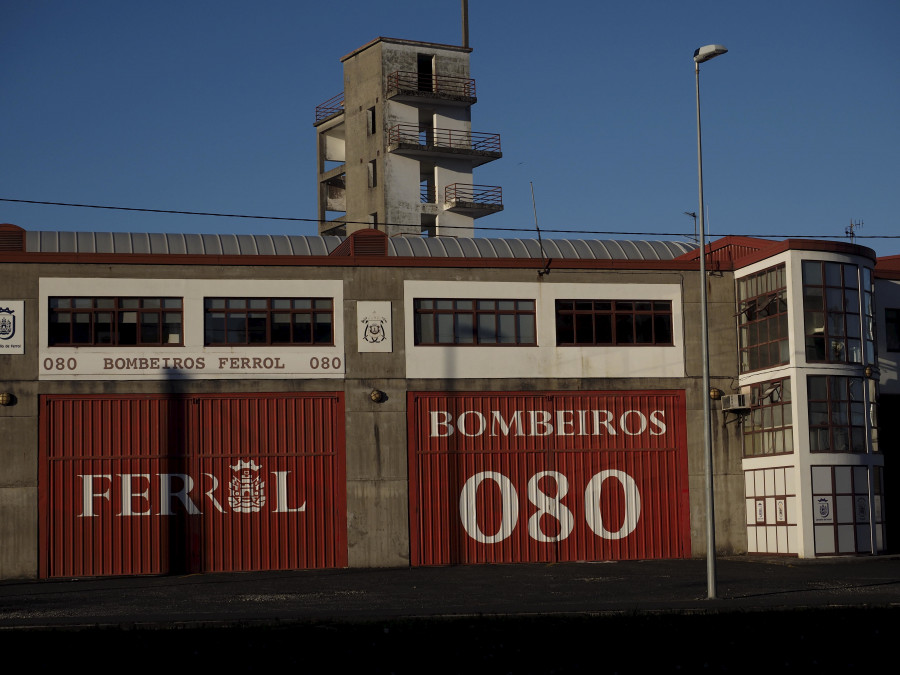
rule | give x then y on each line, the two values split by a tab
760	429
617	318
117	307
521	313
757	294
841	323
844	415
315	309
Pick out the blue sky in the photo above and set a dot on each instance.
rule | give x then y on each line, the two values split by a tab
208	106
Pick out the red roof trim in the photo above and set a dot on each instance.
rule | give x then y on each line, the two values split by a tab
729	241
766	248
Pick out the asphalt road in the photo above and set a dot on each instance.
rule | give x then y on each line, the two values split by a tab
772	614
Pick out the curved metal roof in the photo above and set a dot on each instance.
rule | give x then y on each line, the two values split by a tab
174	244
580	249
404	247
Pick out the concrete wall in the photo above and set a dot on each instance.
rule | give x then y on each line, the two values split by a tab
19	436
728	485
376	433
396	198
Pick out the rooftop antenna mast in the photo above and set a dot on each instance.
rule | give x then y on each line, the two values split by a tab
465	23
850	230
544	257
693	214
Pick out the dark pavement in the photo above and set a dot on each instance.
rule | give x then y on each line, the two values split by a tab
771	613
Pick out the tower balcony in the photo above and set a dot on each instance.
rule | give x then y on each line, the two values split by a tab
474	201
330	108
410	87
425	141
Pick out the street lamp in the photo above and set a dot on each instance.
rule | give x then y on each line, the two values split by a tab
700	56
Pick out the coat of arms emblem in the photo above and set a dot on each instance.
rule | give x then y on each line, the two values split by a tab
7	323
824	508
246	491
375	330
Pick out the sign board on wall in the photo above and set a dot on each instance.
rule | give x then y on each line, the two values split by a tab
12	327
374	333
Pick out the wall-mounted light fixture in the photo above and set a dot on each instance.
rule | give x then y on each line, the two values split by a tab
377	396
871	373
715	394
6	398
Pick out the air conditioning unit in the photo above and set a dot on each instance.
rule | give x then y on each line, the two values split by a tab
736	403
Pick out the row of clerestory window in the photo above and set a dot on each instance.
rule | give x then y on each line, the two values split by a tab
159	321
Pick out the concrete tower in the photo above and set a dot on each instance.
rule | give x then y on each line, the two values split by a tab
396	150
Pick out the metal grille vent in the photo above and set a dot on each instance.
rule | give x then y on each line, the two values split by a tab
12	240
369	242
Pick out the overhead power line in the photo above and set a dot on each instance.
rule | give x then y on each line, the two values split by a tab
779	235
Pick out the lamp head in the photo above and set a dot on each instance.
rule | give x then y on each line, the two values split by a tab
708	52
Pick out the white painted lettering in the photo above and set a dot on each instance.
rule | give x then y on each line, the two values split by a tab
623	422
167	492
509	507
562	422
514	421
606	422
281	494
128	495
582	422
592	505
88	495
542	426
656	419
440	418
212	497
461	423
551	506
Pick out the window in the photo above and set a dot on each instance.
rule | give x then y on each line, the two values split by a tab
370	120
112	321
613	322
892	329
837	413
836	331
843	515
373	174
763	319
475	322
269	321
768	428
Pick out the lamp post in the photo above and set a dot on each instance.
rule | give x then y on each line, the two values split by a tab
700	56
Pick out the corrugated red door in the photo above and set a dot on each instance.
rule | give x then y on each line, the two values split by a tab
507	477
158	484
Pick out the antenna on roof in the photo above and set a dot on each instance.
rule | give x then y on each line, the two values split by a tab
465	23
544	258
693	214
850	230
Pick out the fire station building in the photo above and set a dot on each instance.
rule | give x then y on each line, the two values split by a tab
177	403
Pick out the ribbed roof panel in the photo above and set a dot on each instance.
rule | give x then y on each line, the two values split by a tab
403	247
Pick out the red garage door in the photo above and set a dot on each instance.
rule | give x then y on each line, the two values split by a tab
159	484
507	477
